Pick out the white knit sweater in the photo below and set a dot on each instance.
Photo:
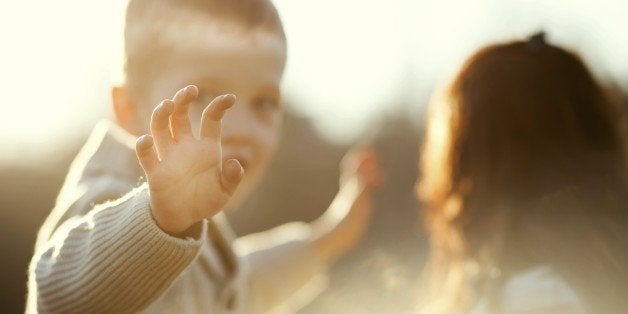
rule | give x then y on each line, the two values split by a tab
101	251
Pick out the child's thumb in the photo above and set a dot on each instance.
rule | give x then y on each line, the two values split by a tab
232	173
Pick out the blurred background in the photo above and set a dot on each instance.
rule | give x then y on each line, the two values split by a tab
358	72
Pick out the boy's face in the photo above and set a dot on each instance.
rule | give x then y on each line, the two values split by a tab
249	65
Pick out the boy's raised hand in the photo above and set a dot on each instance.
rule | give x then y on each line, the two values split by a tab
346	219
361	165
187	178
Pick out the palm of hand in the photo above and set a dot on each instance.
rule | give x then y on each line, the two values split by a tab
186	176
189	177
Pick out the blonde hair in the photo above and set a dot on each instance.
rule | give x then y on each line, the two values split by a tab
153	29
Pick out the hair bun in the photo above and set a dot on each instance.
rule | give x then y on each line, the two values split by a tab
536	41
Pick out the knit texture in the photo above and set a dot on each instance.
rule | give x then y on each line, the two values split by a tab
100	250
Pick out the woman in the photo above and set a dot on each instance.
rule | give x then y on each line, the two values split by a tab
524	188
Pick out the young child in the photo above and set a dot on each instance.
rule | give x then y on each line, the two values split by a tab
524	187
115	244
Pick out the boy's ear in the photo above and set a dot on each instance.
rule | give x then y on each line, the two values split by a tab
124	108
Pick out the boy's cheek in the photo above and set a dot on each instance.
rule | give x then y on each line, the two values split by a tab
140	123
275	133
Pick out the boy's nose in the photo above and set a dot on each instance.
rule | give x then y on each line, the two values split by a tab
239	123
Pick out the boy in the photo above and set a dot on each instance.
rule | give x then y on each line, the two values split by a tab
165	246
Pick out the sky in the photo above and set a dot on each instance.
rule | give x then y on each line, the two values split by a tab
350	61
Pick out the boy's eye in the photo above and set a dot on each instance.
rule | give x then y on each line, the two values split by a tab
204	98
266	104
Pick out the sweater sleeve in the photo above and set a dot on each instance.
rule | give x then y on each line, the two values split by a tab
285	272
114	258
100	250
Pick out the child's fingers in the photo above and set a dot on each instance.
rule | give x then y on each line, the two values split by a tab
372	170
356	156
210	122
160	125
146	153
366	165
232	173
180	119
369	161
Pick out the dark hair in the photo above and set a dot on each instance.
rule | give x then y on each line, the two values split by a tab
152	28
523	165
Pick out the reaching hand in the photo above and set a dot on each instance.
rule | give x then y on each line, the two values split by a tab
345	221
362	165
187	178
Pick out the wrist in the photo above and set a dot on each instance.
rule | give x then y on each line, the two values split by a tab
173	222
331	236
194	231
325	246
